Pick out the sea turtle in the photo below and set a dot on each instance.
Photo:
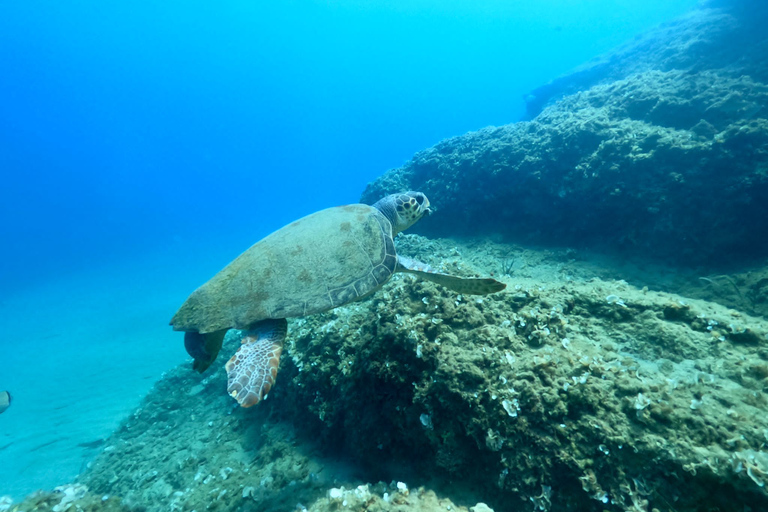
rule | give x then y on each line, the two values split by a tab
322	261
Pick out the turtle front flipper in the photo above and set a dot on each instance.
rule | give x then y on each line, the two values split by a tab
252	371
465	285
203	347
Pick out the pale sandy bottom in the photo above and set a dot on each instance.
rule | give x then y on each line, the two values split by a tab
78	353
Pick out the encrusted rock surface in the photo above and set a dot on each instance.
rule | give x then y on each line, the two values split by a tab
745	291
569	391
589	394
74	497
670	162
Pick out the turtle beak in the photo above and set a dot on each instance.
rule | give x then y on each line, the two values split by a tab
429	211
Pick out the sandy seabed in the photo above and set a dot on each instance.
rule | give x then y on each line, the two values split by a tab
78	353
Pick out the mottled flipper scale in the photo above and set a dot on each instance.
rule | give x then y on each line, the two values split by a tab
252	370
465	285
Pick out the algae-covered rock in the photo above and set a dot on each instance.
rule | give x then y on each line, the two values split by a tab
73	497
569	391
662	158
595	391
745	290
727	36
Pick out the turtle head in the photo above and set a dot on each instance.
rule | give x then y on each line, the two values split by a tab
403	210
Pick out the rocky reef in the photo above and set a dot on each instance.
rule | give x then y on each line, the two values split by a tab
658	150
724	36
571	390
587	385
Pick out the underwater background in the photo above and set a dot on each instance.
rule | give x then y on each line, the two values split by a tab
606	160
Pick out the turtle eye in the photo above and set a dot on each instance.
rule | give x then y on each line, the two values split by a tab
419	199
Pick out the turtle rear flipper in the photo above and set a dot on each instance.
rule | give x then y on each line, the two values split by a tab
465	285
252	371
203	347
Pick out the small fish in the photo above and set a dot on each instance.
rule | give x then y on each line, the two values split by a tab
91	444
5	401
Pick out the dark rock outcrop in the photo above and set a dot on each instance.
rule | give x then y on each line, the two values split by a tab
664	154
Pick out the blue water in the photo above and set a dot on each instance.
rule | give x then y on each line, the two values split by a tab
144	144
